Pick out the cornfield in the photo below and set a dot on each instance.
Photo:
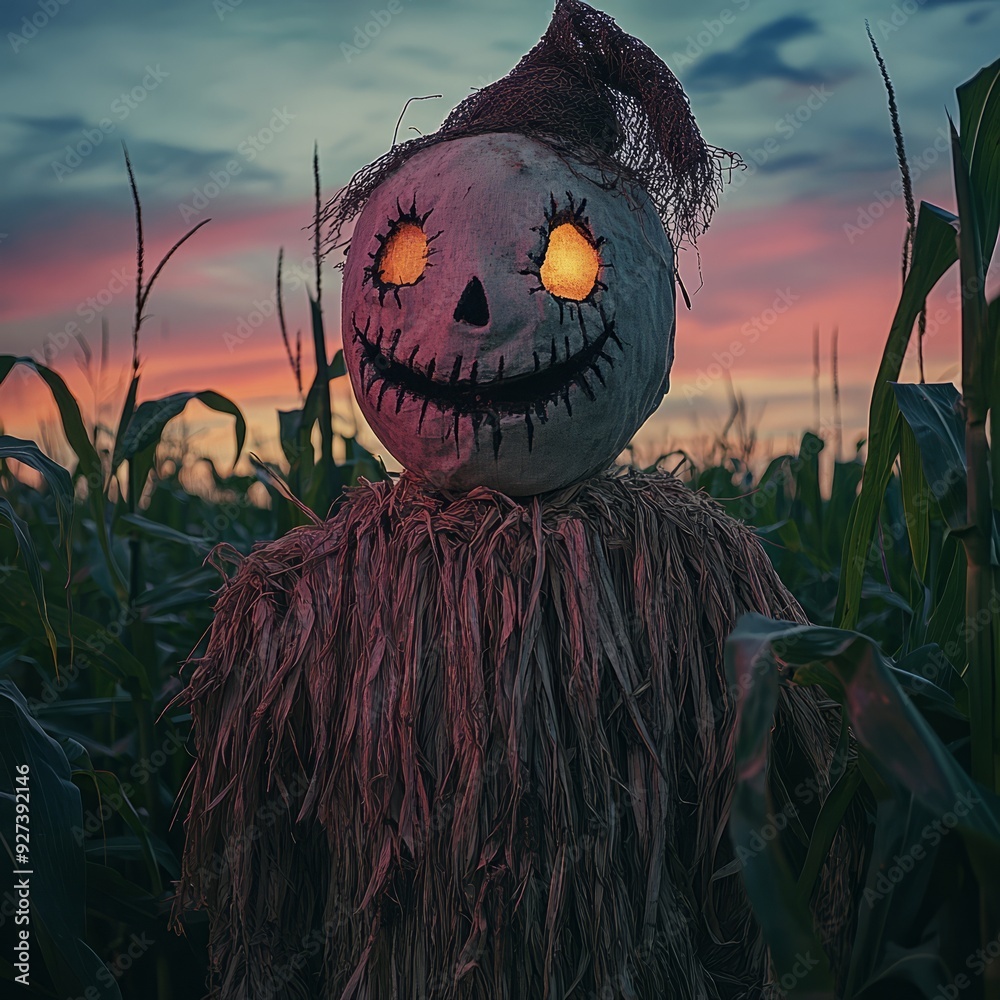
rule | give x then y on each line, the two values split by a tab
108	571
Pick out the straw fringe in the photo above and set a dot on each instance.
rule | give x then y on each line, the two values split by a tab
460	746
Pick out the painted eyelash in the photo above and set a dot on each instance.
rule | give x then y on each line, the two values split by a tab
555	216
372	271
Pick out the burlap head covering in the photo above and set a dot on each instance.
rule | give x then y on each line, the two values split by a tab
593	93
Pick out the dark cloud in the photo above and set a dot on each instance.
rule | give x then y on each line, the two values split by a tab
793	161
974	17
784	29
54	126
48	137
758	57
39	198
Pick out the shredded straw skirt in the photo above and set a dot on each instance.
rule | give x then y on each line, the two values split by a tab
465	746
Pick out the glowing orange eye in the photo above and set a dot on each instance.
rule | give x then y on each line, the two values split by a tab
571	263
403	256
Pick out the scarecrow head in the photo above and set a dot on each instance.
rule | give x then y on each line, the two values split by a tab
509	300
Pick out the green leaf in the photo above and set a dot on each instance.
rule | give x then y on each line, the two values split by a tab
127	848
146	426
979	120
993	389
56	477
81	707
824	833
69	413
783	916
920	966
808	508
919	673
764	501
26	548
933	413
94	641
972	274
934	251
893	738
916	500
948	612
843	494
295	433
890	909
163	532
180	591
119	899
326	484
76	753
128	409
57	884
979	531
109	787
60	484
89	462
338	367
851	668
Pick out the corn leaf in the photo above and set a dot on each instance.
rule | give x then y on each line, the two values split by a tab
934	251
979	122
932	412
57	883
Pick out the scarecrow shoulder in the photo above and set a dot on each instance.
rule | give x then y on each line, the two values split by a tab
698	542
283	586
277	563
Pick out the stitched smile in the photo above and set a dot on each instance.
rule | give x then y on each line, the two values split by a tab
506	393
525	394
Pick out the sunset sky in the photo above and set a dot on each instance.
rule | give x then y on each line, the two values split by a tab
220	104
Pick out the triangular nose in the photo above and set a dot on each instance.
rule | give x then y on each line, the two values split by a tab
472	307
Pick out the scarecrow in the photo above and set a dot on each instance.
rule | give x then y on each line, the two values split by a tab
471	737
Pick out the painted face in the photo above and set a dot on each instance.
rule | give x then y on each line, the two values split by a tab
508	319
